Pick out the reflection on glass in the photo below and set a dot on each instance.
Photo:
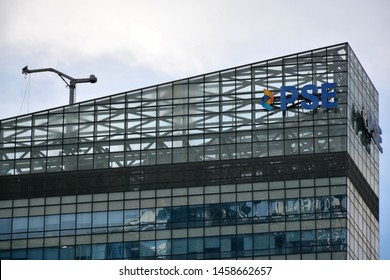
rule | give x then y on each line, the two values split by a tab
5	226
195	215
84	220
147	219
292	208
212	214
323	240
179	246
98	251
36	223
245	211
179	216
228	213
52	222
195	245
115	251
99	219
276	210
293	242
261	210
163	217
163	248
307	205
115	218
68	221
131	250
83	252
51	253
277	242
339	239
19	225
131	220
323	205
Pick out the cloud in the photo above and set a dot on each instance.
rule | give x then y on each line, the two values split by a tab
159	34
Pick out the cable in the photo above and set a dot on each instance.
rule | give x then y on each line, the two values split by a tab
26	93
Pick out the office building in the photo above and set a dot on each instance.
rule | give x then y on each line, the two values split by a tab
277	159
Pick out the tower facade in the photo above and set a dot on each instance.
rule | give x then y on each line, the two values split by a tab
272	160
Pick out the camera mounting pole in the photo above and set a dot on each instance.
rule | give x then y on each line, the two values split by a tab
72	81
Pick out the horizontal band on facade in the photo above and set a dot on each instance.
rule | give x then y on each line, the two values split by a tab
190	175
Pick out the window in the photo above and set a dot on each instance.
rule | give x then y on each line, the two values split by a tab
179	246
5	226
19	225
84	220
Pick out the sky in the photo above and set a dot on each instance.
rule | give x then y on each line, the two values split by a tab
130	44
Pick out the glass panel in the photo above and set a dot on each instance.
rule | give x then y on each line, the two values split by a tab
245	211
212	214
339	205
5	225
293	242
99	219
292	208
229	246
163	247
67	253
261	241
195	215
131	250
276	209
84	220
147	249
277	243
163	217
20	254
323	240
115	251
244	245
179	216
307	207
51	253
35	254
261	211
98	252
323	205
228	213
195	245
308	239
19	225
83	252
339	239
52	223
212	247
132	218
147	219
68	221
179	246
36	223
115	218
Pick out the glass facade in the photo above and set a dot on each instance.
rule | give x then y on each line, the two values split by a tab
199	169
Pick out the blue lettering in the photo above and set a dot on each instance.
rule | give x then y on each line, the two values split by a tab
310	96
284	99
326	95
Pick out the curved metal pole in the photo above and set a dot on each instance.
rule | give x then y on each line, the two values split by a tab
72	81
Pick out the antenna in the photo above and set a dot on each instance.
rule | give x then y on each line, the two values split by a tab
72	81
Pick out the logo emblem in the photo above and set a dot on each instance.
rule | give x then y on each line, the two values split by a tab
267	99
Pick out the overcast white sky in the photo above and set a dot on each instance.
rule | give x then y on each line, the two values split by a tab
132	44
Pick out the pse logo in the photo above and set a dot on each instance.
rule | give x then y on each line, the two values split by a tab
309	97
267	99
